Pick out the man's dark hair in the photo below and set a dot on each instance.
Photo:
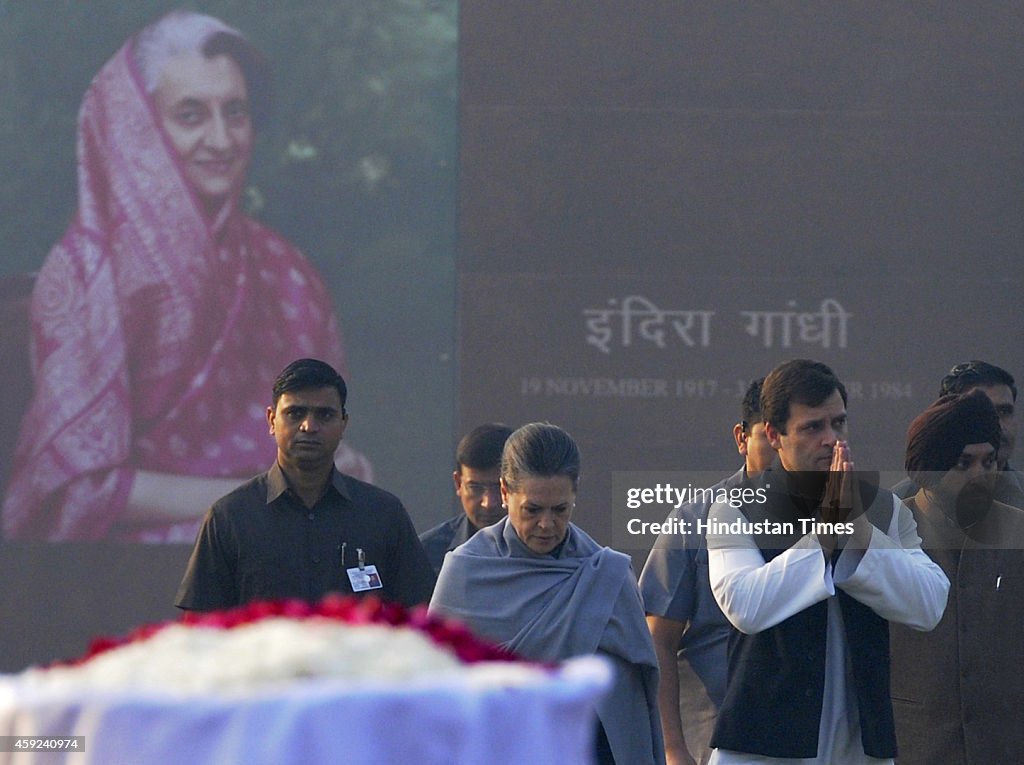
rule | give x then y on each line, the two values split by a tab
799	381
539	450
751	407
480	448
309	373
972	374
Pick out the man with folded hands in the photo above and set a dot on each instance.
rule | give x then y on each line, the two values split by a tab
810	579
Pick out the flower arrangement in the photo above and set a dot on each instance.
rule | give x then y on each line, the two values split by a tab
270	643
345	609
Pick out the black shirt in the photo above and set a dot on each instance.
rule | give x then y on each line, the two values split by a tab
445	537
260	542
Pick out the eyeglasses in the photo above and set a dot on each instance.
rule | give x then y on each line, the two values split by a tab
477	490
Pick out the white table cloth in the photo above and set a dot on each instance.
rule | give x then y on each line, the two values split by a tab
442	721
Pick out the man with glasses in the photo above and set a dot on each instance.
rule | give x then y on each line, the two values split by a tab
999	386
477	469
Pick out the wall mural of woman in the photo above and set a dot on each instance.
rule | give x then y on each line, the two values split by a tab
161	317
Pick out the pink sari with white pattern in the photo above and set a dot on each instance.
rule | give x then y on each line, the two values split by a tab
156	334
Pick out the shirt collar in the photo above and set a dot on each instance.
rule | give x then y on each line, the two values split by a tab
463	530
277	483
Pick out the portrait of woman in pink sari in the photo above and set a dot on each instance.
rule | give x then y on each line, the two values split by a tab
161	318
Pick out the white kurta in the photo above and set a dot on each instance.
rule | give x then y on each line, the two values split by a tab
893	577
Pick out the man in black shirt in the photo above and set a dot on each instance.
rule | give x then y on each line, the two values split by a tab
302	529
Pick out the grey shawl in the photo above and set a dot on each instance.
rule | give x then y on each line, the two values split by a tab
584	601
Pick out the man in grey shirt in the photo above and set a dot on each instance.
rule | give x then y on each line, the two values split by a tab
689	630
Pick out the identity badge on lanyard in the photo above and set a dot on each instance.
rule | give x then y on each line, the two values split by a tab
364	577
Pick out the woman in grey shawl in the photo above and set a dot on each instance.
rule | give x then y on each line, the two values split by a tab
541	587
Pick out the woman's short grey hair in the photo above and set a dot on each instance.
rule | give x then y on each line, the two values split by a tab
539	450
182	32
172	35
